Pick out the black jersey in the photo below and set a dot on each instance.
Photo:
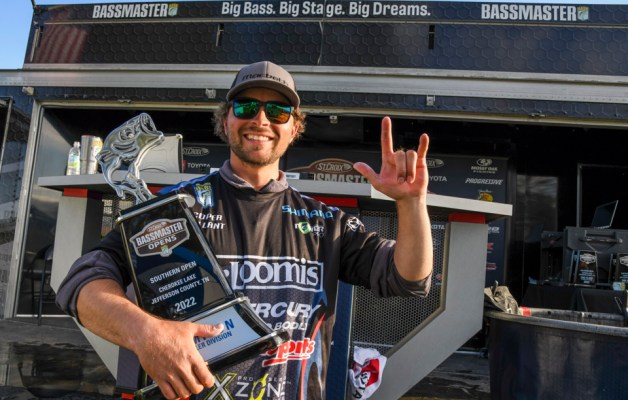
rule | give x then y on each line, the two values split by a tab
286	252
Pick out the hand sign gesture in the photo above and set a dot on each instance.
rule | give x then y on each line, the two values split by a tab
403	173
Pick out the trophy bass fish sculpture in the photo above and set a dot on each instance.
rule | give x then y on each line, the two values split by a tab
128	144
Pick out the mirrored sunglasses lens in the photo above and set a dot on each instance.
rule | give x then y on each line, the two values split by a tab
246	110
278	113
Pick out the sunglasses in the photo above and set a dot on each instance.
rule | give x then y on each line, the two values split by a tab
277	113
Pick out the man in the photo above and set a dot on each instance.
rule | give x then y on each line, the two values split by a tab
259	211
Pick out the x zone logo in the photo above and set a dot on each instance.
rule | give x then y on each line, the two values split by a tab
250	390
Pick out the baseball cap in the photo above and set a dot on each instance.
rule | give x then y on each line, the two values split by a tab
267	75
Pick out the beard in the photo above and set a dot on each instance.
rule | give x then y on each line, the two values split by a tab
236	143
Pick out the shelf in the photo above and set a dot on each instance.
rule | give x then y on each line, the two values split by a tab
436	203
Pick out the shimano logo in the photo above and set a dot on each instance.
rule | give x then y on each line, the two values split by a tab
309	213
270	273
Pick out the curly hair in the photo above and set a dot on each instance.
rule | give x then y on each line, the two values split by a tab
220	115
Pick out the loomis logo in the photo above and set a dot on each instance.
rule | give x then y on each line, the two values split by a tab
270	273
292	350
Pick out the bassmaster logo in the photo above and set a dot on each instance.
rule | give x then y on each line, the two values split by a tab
535	12
292	350
136	10
204	194
272	273
588	258
160	237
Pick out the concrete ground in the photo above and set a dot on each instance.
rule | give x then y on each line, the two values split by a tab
54	361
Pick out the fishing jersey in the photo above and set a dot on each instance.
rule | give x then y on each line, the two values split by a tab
286	252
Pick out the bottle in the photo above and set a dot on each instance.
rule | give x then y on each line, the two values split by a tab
74	160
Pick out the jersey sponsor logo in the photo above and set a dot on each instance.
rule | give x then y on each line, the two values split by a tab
354	224
270	273
306	228
160	237
136	10
289	351
233	386
204	194
303	212
534	12
210	221
282	309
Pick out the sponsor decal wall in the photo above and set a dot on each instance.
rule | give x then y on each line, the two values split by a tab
479	178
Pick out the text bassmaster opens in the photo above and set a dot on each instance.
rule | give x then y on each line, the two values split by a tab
158	234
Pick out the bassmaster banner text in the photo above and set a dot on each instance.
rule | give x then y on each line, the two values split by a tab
324	9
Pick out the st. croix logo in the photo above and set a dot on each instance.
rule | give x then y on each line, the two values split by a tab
160	237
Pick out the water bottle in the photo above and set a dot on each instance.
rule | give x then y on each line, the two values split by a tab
74	160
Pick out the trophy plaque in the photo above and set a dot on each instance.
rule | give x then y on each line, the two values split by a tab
620	273
175	272
586	268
